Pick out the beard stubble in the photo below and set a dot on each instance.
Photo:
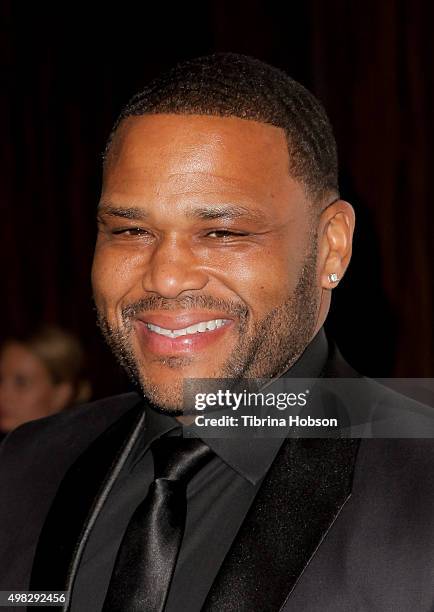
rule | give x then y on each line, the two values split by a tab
275	344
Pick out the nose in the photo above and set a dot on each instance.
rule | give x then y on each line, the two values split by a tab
173	269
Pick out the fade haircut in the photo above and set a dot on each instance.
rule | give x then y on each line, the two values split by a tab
233	85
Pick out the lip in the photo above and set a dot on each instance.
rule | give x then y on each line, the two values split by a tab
189	344
182	319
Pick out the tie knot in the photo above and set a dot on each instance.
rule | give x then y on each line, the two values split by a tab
178	458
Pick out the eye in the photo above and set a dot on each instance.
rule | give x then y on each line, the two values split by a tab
130	231
223	233
22	382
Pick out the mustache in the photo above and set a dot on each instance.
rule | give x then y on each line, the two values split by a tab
187	302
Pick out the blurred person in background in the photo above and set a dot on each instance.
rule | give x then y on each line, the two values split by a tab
40	374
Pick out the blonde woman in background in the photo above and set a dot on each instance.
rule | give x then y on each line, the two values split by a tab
39	376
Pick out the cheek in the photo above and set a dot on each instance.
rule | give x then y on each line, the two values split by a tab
115	275
263	282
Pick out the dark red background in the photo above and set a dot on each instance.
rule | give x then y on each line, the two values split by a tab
68	68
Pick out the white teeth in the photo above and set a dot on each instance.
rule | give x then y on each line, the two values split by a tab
203	326
162	331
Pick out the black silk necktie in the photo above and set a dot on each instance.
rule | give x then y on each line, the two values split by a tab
149	549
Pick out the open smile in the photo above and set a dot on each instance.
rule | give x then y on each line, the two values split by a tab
198	328
168	335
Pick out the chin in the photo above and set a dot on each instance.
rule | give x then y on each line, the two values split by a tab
168	402
164	385
164	389
173	370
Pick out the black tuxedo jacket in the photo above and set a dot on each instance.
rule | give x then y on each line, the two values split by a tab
338	525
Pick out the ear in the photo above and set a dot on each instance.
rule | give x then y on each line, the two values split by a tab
63	394
336	229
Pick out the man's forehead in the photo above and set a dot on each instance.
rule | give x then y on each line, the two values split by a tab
198	135
188	152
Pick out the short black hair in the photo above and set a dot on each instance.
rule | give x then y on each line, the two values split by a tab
234	85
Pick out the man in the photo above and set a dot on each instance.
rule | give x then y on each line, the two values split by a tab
221	238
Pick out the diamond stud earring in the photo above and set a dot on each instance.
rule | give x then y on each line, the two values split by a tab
333	278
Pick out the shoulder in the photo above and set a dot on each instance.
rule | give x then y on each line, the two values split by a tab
377	409
389	414
63	436
33	461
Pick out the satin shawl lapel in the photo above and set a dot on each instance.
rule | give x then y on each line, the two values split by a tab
303	492
307	485
78	501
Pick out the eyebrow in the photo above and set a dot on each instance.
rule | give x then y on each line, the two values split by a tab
130	212
207	213
225	211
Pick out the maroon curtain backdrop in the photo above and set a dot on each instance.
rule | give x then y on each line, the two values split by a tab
373	68
66	72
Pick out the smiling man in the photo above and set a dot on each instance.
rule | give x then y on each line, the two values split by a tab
207	260
221	235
